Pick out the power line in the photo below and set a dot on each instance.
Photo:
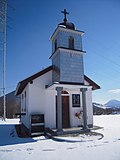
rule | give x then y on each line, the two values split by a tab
109	65
102	48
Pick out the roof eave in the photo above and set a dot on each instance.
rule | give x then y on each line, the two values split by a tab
22	84
17	89
60	28
94	85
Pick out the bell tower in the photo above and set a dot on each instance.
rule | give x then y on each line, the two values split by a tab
67	53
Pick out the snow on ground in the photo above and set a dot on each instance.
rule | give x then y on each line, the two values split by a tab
83	147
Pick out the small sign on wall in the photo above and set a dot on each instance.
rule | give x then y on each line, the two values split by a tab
76	100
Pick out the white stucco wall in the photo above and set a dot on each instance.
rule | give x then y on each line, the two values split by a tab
50	109
74	121
35	97
25	119
38	95
42	100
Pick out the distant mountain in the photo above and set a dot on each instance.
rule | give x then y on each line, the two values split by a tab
12	105
99	109
112	104
98	105
111	107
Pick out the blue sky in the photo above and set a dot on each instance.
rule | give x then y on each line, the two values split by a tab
34	21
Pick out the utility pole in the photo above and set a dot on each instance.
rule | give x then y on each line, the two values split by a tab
4	62
3	14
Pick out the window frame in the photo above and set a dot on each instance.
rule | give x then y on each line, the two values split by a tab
55	45
71	42
76	100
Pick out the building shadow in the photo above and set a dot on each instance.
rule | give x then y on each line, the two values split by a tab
8	136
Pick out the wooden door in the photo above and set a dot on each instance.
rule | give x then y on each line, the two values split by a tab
65	112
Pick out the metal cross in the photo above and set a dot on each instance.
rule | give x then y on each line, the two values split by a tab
65	13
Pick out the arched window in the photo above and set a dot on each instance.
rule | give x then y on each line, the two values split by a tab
64	92
55	45
71	42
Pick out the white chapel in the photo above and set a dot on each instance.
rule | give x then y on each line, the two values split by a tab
60	93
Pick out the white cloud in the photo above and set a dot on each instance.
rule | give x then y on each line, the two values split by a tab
115	91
